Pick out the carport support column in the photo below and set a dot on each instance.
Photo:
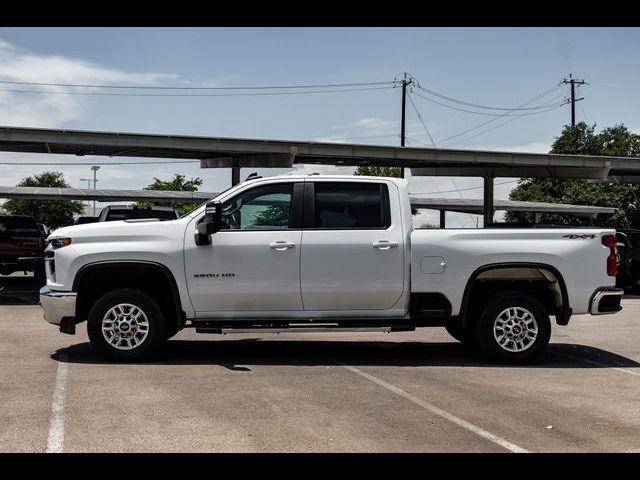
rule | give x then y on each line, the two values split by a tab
488	201
235	172
443	218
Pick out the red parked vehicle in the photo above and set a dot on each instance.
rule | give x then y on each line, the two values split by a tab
22	246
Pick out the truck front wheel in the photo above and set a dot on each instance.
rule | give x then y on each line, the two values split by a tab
126	324
513	327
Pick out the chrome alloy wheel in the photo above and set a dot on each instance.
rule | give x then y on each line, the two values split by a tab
515	329
125	326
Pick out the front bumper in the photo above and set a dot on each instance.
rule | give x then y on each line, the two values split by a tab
21	263
606	300
57	305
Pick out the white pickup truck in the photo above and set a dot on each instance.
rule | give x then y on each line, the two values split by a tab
317	254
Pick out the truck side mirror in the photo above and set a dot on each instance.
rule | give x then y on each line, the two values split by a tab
211	223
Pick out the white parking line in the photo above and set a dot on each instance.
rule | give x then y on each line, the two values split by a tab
594	362
438	411
55	443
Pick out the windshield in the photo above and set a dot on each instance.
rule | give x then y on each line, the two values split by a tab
140	213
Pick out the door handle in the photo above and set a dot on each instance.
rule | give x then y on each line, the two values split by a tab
384	245
280	246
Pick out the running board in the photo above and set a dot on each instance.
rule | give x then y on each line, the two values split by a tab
300	329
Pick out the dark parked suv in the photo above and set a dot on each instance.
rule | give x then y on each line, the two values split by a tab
21	246
628	276
111	213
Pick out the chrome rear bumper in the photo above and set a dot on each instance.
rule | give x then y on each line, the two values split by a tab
606	300
57	305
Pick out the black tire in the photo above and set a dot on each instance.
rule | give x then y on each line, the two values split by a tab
40	275
463	335
528	349
149	344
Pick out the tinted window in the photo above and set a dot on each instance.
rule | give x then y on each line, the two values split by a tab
140	213
634	239
261	208
343	205
20	226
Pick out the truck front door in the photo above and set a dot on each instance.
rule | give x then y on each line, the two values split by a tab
253	263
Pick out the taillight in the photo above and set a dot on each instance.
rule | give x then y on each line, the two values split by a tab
611	241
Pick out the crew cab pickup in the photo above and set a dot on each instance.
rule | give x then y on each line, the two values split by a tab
318	254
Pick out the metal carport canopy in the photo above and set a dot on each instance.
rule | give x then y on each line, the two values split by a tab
220	152
465	205
476	206
103	195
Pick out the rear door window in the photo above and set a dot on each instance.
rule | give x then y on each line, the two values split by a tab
349	206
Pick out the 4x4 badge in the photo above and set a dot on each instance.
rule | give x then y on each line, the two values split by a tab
581	236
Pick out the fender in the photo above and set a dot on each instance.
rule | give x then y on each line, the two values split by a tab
563	316
85	269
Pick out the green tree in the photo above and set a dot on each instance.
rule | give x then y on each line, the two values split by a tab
273	215
376	171
179	184
54	213
583	140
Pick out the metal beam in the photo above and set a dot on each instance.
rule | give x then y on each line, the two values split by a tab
443	219
488	210
280	153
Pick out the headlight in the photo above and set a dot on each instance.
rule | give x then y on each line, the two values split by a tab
56	243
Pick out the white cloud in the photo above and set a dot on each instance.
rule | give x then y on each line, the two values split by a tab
308	169
54	109
375	124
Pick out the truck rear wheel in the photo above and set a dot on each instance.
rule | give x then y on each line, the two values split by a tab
126	324
513	327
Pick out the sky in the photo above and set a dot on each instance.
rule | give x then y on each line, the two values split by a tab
495	67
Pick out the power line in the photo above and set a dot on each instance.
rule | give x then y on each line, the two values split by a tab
461	189
110	94
535	98
471	104
421	121
483	113
418	141
150	87
497	126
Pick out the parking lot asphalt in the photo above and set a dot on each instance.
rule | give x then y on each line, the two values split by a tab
348	392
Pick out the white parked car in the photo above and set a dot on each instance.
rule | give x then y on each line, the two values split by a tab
322	253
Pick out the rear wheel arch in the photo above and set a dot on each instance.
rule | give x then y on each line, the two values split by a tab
563	309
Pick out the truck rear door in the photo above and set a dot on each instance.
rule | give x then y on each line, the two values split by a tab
352	246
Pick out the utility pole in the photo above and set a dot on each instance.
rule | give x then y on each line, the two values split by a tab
88	180
405	82
95	169
573	82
